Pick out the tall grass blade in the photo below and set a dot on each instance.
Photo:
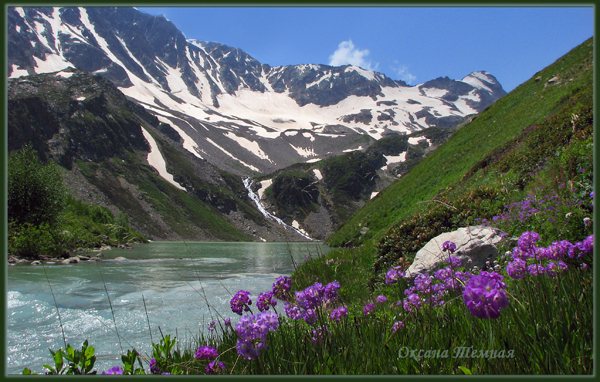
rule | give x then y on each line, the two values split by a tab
111	307
56	304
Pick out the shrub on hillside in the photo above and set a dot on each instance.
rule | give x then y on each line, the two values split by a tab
36	193
404	240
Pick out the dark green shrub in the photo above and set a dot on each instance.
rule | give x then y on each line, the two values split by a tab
36	193
29	240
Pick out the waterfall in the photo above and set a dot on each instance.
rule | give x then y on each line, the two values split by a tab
263	210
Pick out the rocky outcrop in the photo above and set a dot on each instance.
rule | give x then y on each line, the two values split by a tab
475	246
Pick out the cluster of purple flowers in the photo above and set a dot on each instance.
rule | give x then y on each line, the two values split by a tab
393	275
425	291
214	367
484	295
310	299
281	286
397	326
548	205
241	302
551	255
153	368
206	352
318	335
212	325
449	246
265	300
338	313
114	370
252	333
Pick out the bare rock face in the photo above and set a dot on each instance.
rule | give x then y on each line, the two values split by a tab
477	243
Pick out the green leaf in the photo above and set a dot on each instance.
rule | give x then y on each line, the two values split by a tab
89	352
58	360
465	370
52	371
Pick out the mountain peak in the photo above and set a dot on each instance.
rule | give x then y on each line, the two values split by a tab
229	108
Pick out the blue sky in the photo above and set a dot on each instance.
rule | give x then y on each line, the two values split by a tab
414	44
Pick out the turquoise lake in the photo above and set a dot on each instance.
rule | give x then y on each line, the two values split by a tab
177	281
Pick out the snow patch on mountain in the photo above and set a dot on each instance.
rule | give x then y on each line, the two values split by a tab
263	187
304	151
394	159
249	145
188	143
318	174
156	160
479	80
231	155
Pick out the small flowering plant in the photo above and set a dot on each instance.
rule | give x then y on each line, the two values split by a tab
311	301
252	333
241	302
484	295
529	259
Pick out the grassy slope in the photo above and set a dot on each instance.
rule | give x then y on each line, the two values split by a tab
528	104
178	209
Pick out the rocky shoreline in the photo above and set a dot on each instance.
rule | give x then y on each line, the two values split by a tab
80	255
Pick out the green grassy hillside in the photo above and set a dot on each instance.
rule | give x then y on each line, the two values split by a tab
533	102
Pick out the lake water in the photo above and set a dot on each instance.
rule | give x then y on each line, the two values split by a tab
178	281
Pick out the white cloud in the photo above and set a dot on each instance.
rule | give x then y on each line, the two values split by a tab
347	53
403	73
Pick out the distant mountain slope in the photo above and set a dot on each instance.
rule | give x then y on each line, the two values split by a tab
539	99
122	157
229	109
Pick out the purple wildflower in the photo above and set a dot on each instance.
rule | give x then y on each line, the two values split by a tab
527	242
397	325
310	297
293	311
536	269
562	266
423	283
517	269
331	291
153	368
338	313
550	269
319	334
368	309
484	295
252	333
214	367
240	302
586	246
381	299
393	275
454	261
265	300
206	352
281	286
443	274
228	322
114	370
247	350
449	246
310	317
412	302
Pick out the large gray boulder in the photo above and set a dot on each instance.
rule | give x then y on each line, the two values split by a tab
477	243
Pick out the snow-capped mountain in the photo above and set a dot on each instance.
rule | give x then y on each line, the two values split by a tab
228	108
